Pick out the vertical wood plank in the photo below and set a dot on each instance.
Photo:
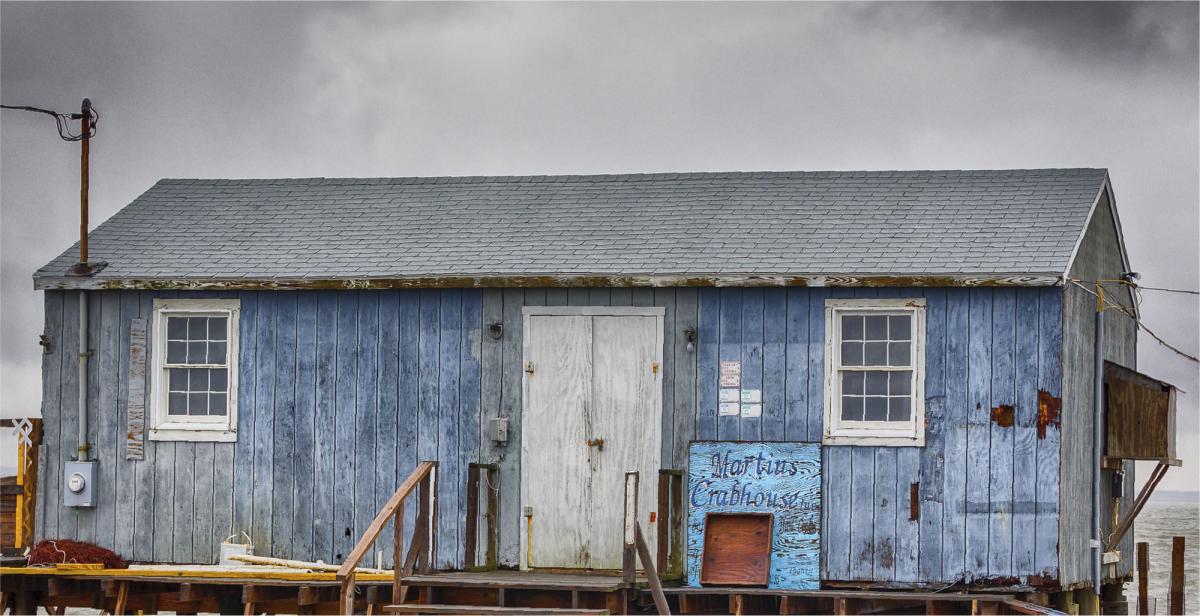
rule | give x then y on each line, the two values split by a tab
365	443
750	428
774	412
468	400
302	523
978	435
684	400
933	456
641	296
1003	394
816	363
429	347
708	358
578	296
556	296
510	407
599	296
53	409
908	531
345	404
407	431
68	521
730	350
86	517
835	508
452	470
106	414
243	478
954	499
126	476
885	507
201	526
665	297
387	478
796	365
283	441
1025	470
862	512
619	296
264	419
325	427
1050	377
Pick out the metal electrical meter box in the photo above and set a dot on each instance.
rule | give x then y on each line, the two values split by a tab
79	484
500	429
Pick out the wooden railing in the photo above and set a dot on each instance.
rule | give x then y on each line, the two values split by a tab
421	548
28	434
487	476
635	544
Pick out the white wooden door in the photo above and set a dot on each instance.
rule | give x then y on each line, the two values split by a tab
591	374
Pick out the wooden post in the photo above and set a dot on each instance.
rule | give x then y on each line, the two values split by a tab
1175	596
435	480
1143	572
662	520
423	526
628	560
397	560
347	595
675	567
493	508
471	534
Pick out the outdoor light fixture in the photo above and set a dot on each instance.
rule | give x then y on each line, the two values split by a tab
495	330
689	332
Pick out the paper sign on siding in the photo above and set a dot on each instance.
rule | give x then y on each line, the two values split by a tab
731	374
729	409
135	431
751	410
730	395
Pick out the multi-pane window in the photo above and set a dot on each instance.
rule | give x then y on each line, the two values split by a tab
197	365
875	356
194	380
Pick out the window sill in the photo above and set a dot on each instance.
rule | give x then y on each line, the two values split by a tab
199	435
873	441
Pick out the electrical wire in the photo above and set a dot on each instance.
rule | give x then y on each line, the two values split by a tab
1188	291
1123	310
63	121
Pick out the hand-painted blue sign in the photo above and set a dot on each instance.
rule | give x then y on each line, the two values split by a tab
779	478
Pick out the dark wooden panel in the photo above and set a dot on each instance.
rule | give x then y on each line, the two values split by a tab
737	549
1141	416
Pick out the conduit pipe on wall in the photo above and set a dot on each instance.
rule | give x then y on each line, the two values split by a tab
1097	442
83	448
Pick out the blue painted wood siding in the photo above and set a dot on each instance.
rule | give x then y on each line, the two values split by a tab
342	392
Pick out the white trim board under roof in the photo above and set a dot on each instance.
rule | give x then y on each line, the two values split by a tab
846	228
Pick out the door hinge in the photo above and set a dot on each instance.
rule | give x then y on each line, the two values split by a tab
528	367
654	367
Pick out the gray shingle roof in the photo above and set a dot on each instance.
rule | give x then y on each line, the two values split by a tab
909	223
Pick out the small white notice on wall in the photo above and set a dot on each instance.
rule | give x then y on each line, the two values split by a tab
731	374
752	396
730	395
729	409
751	410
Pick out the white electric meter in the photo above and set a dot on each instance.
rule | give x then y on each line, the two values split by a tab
76	483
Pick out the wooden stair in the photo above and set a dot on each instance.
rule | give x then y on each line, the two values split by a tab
417	608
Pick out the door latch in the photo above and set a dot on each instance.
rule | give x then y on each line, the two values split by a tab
654	368
598	443
528	367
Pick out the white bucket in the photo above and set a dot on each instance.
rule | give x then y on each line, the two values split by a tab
228	548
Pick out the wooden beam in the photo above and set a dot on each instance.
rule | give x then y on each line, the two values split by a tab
660	600
1176	590
472	529
1143	573
1142	498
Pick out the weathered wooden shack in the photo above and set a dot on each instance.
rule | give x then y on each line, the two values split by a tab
273	357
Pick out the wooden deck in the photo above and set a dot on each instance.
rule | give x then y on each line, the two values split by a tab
531	580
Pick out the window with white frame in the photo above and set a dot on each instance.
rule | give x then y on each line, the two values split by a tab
194	382
874	366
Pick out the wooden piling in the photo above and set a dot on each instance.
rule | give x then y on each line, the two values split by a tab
1175	597
1143	573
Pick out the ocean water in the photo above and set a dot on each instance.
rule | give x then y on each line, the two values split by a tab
1156	525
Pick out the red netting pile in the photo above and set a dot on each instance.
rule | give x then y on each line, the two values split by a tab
53	552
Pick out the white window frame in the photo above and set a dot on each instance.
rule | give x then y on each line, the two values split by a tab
206	429
873	433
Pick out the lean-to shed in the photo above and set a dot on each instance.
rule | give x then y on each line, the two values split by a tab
273	356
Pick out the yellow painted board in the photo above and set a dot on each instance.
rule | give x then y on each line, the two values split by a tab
240	573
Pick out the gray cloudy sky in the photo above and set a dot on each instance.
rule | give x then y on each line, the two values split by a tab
275	90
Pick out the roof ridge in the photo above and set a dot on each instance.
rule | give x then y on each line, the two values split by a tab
464	179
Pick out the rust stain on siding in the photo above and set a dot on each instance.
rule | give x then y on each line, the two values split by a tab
1048	411
1003	415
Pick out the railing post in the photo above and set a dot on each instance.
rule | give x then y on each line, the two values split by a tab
662	523
675	565
472	529
493	506
397	550
347	594
628	557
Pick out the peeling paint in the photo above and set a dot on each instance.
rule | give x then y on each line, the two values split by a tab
1048	411
1003	415
559	280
